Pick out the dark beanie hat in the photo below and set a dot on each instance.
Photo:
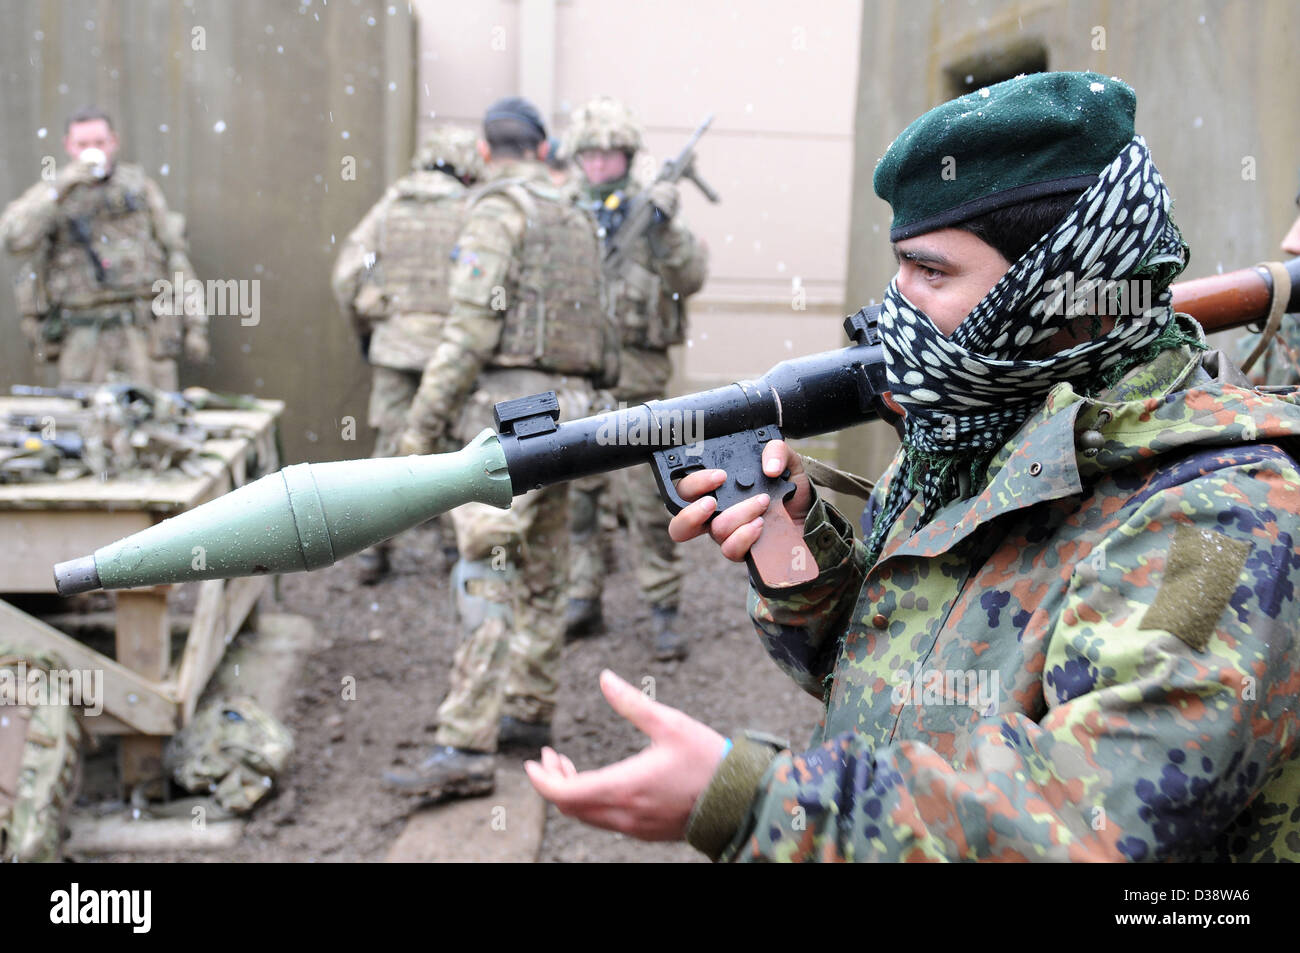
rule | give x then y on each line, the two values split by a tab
518	109
1029	137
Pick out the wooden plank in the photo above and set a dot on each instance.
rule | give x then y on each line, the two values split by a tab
118	834
203	647
34	540
219	613
106	724
154	709
143	645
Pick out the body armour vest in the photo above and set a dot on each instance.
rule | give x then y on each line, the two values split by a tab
415	242
557	318
104	248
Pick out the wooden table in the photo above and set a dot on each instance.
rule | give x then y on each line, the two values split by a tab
146	696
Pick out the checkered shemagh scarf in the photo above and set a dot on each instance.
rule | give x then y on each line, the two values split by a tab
967	394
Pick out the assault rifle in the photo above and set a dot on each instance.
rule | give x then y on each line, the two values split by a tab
308	516
640	214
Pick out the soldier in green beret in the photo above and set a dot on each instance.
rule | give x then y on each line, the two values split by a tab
1069	633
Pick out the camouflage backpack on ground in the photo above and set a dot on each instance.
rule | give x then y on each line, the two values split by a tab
233	749
39	760
558	317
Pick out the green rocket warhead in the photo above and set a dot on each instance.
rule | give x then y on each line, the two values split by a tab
304	517
312	515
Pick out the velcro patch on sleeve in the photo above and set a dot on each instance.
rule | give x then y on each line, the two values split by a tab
1200	577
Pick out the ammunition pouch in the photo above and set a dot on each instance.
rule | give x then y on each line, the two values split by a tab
637	304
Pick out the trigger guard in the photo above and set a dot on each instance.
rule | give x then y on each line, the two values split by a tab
663	471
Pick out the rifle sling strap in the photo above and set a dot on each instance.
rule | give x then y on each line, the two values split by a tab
1277	308
850	484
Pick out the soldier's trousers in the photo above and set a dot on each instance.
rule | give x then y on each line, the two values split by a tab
655	555
509	661
89	354
391	393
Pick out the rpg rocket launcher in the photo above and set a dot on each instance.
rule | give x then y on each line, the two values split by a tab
308	516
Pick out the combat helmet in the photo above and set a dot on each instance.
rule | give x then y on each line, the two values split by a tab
603	123
453	147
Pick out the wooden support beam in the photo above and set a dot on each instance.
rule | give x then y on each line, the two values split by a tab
220	611
146	706
143	645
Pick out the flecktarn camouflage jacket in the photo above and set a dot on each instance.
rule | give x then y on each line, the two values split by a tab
1094	658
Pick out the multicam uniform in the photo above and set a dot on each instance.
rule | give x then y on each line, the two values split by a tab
528	315
89	264
1132	610
391	277
664	268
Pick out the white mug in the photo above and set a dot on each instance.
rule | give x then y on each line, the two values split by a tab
98	161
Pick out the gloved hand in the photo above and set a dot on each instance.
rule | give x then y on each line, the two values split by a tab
665	197
73	174
197	350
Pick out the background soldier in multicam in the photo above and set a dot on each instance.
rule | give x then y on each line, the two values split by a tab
649	300
91	245
528	315
391	281
1279	364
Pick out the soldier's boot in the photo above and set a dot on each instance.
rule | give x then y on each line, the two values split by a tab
445	774
583	617
373	564
669	643
521	736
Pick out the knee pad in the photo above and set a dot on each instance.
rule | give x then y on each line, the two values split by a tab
473	583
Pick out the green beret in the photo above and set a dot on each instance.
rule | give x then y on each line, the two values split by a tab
1032	136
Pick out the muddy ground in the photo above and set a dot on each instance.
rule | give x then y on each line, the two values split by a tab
397	639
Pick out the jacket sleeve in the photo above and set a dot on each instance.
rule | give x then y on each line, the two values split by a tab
680	259
169	232
1170	685
29	219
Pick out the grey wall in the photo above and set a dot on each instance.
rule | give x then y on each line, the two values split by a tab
1216	83
247	137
